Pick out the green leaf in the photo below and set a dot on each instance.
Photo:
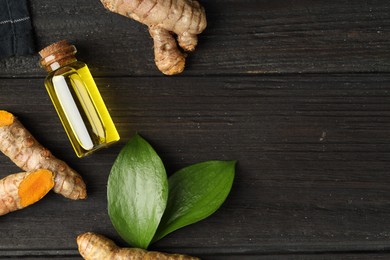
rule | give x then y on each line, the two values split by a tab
137	192
195	193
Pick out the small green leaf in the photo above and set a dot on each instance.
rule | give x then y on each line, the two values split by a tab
195	193
137	192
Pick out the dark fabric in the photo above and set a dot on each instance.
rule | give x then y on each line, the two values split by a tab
16	36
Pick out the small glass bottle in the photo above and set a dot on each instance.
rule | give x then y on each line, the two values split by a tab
77	99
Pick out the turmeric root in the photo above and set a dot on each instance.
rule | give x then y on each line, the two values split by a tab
185	18
20	146
95	247
20	190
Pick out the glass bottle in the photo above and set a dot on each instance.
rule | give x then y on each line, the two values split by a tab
77	100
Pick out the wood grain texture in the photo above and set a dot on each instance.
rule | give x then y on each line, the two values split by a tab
312	155
327	256
242	37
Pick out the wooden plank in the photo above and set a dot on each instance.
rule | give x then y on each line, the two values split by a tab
319	256
312	153
243	37
335	256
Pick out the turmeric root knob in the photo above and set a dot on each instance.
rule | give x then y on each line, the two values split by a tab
185	18
168	58
20	190
20	146
95	247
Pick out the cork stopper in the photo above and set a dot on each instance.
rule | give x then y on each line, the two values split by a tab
57	55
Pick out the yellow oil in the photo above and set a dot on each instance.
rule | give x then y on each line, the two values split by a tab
81	108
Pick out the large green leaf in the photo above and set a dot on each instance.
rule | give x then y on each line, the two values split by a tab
137	192
195	193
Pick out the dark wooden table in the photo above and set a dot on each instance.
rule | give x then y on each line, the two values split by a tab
297	91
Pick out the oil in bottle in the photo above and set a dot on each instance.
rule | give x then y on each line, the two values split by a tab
77	99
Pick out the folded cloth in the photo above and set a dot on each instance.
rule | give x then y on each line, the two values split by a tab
16	34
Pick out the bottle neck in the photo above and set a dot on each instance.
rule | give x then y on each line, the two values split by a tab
60	63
